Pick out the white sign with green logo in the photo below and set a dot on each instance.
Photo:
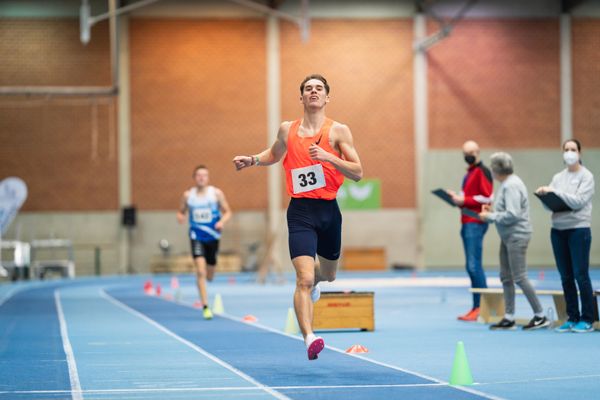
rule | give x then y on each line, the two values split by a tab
363	195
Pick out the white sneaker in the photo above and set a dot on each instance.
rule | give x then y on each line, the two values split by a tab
315	293
4	272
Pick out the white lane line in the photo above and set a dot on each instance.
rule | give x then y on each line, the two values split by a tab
256	388
218	389
555	378
8	295
76	393
437	381
193	346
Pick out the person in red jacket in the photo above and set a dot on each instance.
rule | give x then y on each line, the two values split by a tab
477	188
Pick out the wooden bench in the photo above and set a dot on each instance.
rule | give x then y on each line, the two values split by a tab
344	310
364	258
226	262
492	305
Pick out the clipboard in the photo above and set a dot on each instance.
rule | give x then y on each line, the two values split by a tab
470	213
553	202
442	194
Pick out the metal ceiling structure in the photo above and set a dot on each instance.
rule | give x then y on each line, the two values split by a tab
426	7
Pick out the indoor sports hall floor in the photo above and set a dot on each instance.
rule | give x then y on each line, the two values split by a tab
103	338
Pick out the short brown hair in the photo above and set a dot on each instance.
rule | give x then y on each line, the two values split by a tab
201	166
314	76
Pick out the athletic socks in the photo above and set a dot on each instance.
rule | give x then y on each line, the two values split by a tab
309	339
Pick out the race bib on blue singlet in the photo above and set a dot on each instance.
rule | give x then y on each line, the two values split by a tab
202	215
308	178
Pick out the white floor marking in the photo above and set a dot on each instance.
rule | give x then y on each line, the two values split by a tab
194	347
437	381
256	388
76	393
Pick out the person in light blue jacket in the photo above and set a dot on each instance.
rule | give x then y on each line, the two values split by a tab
571	237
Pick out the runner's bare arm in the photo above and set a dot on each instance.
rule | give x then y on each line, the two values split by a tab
349	164
226	212
182	208
269	156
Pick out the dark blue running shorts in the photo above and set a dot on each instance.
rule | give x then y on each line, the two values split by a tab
315	227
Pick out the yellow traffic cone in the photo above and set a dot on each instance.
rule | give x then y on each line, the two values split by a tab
291	325
461	373
217	307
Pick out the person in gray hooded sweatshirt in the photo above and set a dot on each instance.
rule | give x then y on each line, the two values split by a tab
511	217
571	237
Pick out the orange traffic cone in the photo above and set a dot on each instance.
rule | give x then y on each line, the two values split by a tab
357	348
250	318
541	275
148	288
174	283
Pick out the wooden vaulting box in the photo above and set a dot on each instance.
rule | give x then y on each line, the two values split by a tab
345	310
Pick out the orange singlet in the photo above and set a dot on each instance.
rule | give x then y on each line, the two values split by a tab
305	177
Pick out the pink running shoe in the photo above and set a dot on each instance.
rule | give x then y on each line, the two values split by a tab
315	347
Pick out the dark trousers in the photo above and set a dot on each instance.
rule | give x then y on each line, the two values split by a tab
572	254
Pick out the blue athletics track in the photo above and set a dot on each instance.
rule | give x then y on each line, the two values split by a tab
104	338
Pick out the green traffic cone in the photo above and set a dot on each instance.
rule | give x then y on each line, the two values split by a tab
291	325
217	307
461	373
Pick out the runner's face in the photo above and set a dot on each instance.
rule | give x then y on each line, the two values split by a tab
201	177
314	95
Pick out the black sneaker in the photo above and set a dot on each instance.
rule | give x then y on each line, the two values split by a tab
504	324
537	323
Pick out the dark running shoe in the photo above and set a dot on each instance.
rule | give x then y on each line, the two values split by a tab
504	324
537	323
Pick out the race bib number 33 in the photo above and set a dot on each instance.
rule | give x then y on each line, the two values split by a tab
308	178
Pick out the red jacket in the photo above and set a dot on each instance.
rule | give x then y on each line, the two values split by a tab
477	189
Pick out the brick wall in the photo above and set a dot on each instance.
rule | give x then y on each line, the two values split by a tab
497	82
64	149
586	81
198	96
198	92
49	52
369	67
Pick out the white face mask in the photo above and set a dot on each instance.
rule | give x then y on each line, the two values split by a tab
570	157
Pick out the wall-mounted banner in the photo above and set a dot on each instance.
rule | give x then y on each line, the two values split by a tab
13	193
363	195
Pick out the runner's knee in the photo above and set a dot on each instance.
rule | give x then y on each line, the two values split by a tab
305	282
201	272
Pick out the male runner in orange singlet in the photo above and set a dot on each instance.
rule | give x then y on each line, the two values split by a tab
319	153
